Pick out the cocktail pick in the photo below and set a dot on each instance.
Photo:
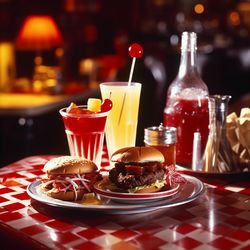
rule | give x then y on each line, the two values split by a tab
135	51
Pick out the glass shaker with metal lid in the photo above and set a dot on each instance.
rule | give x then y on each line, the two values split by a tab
163	139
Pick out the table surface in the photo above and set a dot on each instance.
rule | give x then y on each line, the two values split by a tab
219	219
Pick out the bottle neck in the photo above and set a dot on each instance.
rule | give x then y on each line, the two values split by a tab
220	110
188	55
188	65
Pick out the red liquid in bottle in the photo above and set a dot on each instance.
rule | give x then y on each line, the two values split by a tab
188	116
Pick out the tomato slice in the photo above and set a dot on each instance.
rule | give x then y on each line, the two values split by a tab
136	170
58	185
151	168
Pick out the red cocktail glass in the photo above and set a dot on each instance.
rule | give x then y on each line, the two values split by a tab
85	133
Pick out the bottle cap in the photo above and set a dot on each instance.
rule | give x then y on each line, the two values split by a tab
188	41
160	135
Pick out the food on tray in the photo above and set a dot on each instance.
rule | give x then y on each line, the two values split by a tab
238	134
138	170
69	178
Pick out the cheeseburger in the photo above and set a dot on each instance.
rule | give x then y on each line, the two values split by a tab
69	178
138	170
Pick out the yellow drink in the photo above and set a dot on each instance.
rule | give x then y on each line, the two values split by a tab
121	122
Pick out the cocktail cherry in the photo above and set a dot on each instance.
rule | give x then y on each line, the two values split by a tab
135	50
106	105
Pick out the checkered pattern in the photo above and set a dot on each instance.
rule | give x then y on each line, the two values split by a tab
220	219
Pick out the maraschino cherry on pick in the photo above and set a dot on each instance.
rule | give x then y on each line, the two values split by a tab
135	50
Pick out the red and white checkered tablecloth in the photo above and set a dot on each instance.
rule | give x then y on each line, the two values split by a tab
219	219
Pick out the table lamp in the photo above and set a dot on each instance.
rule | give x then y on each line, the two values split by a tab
38	32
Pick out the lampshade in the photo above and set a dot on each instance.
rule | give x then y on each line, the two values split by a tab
38	33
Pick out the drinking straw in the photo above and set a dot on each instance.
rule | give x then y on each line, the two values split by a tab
129	84
131	71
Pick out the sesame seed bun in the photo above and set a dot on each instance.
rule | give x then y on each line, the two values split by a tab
137	154
69	165
150	189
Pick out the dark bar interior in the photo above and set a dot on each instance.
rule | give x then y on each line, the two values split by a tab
42	72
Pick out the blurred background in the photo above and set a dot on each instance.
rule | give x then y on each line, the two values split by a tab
55	52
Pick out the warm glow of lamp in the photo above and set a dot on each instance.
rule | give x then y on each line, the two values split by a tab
234	18
39	33
199	8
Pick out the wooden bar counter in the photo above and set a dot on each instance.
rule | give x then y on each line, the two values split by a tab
31	124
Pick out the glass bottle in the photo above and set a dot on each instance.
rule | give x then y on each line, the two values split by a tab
218	155
187	103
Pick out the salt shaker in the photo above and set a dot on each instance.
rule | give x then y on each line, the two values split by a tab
163	139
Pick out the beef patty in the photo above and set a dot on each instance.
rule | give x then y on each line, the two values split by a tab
125	180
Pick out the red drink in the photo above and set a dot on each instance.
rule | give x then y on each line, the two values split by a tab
188	115
85	133
187	103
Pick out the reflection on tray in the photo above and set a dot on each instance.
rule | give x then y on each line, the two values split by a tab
186	193
102	188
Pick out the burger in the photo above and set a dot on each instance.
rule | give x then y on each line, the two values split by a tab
138	170
69	178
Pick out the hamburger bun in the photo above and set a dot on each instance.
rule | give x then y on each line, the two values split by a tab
137	154
149	189
69	178
69	165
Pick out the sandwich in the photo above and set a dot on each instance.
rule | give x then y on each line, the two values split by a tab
138	170
69	178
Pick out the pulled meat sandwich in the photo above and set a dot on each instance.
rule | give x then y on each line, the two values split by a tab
138	170
69	178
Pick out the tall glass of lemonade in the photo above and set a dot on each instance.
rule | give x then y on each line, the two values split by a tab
121	123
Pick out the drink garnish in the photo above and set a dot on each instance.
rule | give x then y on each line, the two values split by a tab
73	108
106	105
94	104
135	51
